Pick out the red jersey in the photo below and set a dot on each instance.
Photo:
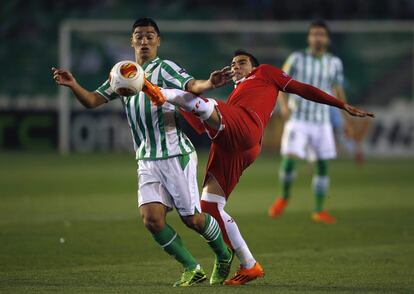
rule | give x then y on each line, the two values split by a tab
259	90
245	115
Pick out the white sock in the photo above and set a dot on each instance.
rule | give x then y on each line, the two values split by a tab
320	184
239	245
202	107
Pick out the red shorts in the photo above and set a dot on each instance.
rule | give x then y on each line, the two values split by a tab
234	147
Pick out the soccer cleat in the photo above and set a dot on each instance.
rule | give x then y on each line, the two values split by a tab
153	92
191	277
277	207
323	217
244	275
221	270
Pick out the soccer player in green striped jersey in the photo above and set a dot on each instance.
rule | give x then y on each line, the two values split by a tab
167	162
308	128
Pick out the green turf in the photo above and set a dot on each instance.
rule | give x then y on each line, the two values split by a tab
90	202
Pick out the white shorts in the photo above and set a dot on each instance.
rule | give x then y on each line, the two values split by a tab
304	139
166	182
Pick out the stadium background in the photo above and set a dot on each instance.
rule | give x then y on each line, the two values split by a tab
69	223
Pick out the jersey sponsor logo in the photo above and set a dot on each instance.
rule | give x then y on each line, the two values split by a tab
182	70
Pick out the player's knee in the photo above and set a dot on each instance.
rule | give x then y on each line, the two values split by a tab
195	222
154	223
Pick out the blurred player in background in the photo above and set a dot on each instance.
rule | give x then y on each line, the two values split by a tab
236	129
167	161
308	130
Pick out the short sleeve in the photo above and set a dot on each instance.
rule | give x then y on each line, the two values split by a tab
276	76
174	76
106	91
289	66
339	73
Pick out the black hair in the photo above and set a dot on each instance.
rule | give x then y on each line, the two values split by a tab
253	59
146	22
319	24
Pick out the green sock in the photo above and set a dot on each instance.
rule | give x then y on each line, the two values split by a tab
171	242
320	184
212	234
286	176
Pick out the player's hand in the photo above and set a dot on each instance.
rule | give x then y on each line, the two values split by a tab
63	77
357	112
221	77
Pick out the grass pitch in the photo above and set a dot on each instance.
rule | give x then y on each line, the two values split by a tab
72	225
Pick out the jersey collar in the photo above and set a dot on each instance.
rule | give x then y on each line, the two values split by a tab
155	60
308	51
236	83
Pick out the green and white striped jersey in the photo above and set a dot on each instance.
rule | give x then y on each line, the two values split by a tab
323	72
155	130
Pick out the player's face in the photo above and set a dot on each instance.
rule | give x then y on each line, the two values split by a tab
318	39
145	41
241	66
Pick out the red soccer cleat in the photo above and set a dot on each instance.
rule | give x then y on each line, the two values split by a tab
244	275
153	92
323	217
277	208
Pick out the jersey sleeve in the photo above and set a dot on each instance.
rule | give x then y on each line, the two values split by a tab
276	76
312	93
174	76
339	73
289	66
106	91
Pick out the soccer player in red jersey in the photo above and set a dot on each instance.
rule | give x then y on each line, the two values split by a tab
236	129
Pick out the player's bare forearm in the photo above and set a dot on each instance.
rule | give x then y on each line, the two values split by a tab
199	86
312	93
65	78
217	79
87	98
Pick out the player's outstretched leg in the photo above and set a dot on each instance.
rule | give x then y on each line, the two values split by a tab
320	184
202	107
286	177
249	268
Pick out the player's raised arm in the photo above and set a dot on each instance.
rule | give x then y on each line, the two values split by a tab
314	94
86	98
217	79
